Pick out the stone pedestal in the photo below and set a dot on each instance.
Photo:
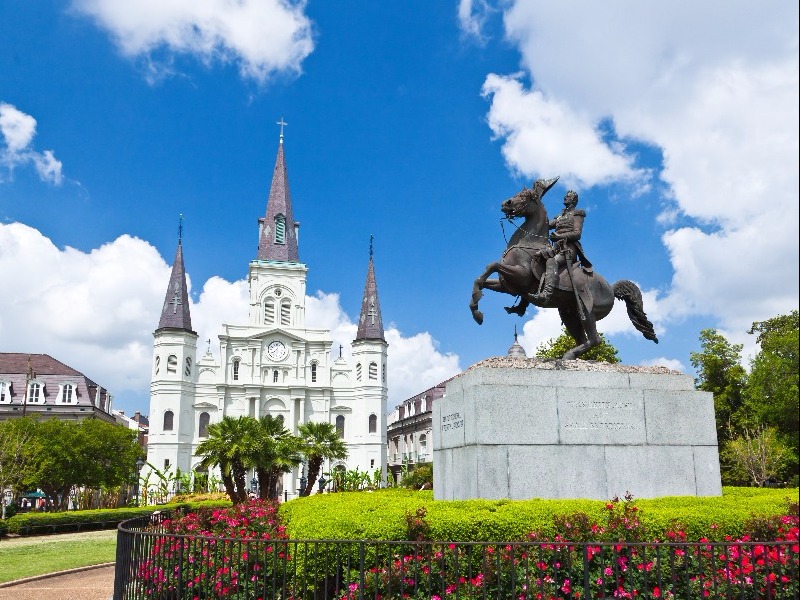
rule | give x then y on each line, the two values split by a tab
527	428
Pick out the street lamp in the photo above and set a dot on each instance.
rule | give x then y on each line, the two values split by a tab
139	464
322	482
303	480
253	485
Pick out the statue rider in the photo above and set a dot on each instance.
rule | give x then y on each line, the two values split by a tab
567	235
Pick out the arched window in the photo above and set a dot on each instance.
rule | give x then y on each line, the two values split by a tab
34	393
188	369
158	365
202	429
172	364
280	229
340	426
358	372
313	372
275	376
169	417
269	311
373	423
236	370
67	393
373	371
286	312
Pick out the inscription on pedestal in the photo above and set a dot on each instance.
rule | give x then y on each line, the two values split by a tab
592	419
452	421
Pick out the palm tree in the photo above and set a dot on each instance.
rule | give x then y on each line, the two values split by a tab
321	442
231	445
277	452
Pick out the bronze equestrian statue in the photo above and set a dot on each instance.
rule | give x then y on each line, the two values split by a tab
568	279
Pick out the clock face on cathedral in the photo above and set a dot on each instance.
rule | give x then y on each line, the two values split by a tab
277	350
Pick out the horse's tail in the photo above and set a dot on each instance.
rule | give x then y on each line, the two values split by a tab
630	293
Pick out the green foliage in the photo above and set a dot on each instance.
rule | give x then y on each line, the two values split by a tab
719	371
321	442
381	515
557	347
756	457
16	461
421	476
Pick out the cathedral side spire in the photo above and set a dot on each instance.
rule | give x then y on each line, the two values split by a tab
175	313
278	233
370	324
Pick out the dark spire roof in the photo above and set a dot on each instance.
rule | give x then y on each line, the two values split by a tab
279	208
175	313
370	324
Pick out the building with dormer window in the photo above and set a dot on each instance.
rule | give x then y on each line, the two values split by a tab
271	363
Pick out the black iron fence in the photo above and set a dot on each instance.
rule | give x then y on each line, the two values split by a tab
155	565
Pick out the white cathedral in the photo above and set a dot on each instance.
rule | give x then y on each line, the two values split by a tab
272	364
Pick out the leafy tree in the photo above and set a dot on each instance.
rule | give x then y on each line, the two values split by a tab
719	371
277	452
231	445
771	394
557	347
421	476
756	457
89	453
15	459
321	442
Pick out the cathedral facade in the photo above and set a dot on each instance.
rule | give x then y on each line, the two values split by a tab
271	364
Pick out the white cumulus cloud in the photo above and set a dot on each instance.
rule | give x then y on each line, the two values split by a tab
18	130
263	37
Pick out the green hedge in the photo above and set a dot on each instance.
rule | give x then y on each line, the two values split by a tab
106	518
380	515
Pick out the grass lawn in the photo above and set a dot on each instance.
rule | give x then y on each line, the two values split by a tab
25	557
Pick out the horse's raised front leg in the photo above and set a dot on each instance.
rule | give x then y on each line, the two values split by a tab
584	332
477	291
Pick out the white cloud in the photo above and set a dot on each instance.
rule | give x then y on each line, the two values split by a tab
715	87
472	16
263	37
18	130
96	311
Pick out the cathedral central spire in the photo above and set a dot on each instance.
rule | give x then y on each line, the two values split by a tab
278	231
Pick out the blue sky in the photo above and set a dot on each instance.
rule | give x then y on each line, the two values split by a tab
411	121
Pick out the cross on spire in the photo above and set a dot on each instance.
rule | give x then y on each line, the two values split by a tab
340	351
180	227
282	123
209	346
176	298
371	239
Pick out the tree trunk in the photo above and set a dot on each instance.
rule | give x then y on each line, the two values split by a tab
314	466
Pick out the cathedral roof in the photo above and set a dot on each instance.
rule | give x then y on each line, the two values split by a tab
175	313
516	349
278	236
370	324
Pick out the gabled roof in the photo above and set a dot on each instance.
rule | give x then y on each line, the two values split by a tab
370	324
175	313
279	204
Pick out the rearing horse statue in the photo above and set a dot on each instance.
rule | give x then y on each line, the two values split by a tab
582	298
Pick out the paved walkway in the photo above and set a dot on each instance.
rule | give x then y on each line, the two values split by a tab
92	584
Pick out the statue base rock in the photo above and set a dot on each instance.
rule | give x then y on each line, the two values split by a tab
522	428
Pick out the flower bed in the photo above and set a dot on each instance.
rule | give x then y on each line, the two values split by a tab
243	553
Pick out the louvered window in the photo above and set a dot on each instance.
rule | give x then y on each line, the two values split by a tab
275	376
373	423
280	229
188	369
340	426
202	429
286	312
373	371
313	372
172	364
169	417
269	311
358	372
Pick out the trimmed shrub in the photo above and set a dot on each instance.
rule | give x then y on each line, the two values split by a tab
106	518
381	515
